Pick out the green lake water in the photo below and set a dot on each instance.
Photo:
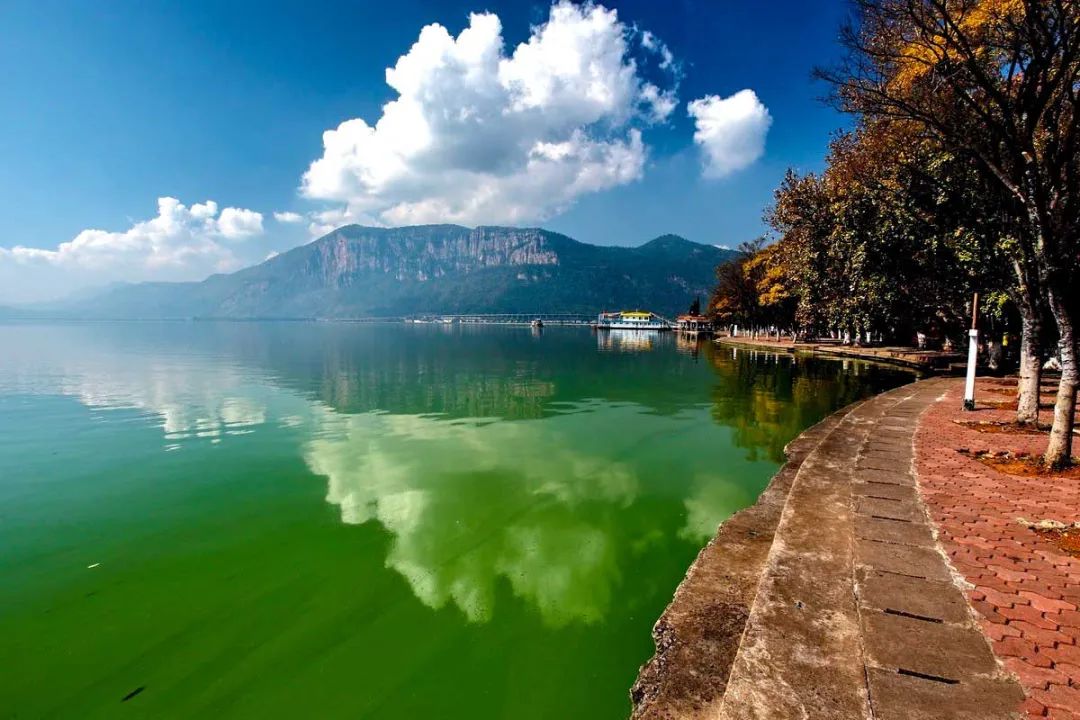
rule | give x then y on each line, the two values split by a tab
283	520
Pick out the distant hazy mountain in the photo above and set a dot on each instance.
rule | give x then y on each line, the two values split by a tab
376	272
15	313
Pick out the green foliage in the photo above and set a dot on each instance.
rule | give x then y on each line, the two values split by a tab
892	238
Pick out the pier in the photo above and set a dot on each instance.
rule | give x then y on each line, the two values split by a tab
924	360
505	318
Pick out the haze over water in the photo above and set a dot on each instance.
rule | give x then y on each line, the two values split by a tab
386	521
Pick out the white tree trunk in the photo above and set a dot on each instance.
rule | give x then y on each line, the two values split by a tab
1027	388
1059	449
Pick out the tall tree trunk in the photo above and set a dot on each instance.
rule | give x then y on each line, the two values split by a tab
1059	449
1027	389
1030	305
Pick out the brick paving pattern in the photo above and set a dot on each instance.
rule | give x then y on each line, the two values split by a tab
1025	589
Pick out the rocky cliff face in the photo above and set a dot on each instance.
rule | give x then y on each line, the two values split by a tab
378	272
423	253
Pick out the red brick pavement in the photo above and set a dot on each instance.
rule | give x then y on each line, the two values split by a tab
1025	590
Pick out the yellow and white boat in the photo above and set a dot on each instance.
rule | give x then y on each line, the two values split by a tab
631	320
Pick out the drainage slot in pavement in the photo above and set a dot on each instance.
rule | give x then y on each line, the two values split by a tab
913	616
893	572
886	517
889	542
924	676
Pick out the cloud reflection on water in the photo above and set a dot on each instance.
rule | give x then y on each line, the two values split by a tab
189	401
472	502
474	451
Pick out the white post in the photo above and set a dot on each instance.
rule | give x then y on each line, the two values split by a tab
973	353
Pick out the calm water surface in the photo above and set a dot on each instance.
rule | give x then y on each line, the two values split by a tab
385	521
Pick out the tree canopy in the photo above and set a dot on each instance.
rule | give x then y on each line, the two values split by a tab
962	174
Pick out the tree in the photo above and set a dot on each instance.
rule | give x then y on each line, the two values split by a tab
771	271
755	289
996	81
801	217
734	301
885	240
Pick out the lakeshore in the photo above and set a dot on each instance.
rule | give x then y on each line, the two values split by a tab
883	574
924	360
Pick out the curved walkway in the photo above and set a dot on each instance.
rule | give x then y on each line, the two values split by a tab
844	606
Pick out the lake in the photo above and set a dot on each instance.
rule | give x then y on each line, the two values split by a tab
279	520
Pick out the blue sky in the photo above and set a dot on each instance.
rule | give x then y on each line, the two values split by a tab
110	106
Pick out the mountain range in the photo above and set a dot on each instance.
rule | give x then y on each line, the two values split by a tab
357	271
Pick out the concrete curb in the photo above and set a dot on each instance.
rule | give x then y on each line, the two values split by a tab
830	598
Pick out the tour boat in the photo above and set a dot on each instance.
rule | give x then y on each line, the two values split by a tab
631	320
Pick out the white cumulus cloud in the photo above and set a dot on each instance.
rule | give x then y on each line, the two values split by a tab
288	218
237	223
655	44
478	134
181	242
730	131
